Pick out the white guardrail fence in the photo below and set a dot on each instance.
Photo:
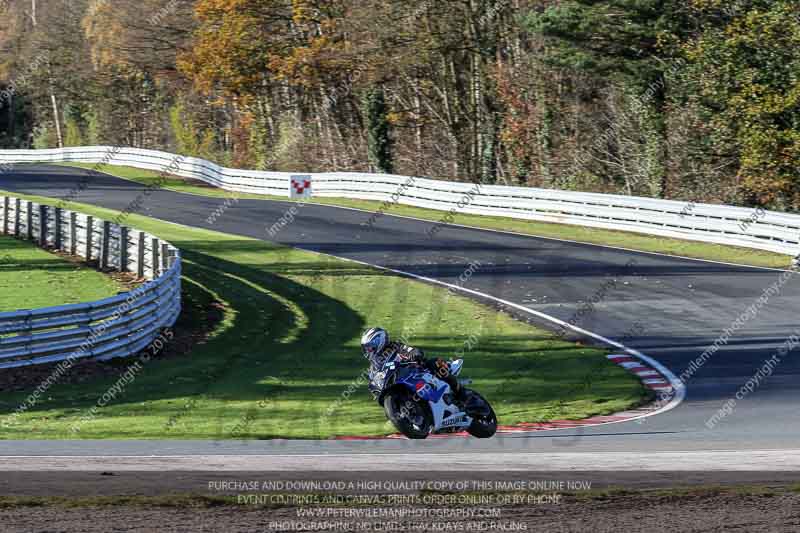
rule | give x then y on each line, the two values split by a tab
738	226
118	326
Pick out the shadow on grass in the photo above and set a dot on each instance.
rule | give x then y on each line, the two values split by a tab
323	266
268	336
287	350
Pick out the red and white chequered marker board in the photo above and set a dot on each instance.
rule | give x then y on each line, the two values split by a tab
300	187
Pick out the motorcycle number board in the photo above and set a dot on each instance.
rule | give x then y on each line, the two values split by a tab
300	187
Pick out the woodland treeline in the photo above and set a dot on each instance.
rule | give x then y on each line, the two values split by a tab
687	99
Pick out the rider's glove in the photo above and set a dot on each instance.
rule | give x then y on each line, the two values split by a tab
408	354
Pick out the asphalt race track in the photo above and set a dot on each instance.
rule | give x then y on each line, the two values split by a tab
669	308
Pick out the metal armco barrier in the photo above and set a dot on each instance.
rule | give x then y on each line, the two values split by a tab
721	224
118	326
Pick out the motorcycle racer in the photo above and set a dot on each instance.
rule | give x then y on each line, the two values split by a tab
378	350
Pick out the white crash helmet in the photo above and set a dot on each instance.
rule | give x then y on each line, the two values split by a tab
373	341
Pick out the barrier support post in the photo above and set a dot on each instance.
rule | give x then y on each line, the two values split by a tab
105	245
123	249
6	204
29	221
156	259
73	233
89	237
17	206
57	229
140	255
42	225
164	257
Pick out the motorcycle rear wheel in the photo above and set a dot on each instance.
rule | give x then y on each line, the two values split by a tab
415	421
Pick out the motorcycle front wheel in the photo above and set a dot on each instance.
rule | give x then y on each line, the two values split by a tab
484	425
411	418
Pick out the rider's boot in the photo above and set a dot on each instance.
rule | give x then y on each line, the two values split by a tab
459	391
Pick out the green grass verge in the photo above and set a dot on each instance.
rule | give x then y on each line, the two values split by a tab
623	239
31	277
287	349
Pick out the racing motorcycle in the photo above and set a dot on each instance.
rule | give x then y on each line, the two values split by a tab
419	404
